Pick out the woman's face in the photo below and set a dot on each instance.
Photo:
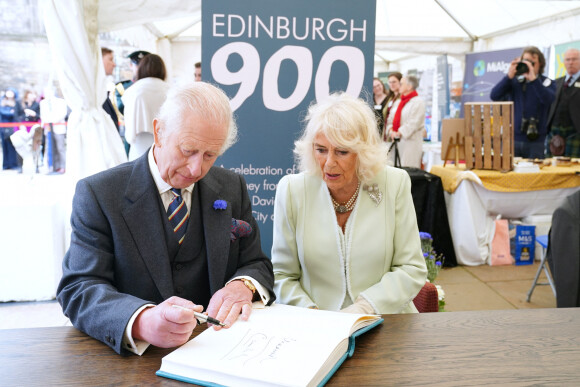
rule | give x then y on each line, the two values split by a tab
377	87
338	165
31	97
405	87
394	84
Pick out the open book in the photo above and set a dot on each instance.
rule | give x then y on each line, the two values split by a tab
279	345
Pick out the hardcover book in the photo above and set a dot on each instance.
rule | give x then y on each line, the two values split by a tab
279	345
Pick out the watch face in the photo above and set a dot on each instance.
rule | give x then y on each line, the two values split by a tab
249	285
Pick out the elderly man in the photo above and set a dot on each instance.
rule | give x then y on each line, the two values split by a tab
159	232
564	118
408	125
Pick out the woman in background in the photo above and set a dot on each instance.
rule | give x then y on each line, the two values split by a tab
345	229
408	125
393	98
380	98
142	102
30	107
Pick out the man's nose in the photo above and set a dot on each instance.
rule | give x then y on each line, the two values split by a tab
194	165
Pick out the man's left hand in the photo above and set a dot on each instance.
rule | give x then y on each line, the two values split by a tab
228	302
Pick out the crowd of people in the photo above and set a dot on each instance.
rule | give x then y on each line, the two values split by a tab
131	109
400	118
546	122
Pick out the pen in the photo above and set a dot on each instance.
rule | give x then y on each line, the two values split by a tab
202	318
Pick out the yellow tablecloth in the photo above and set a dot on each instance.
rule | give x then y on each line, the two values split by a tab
547	178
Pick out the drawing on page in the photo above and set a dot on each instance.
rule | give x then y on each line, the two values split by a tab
257	348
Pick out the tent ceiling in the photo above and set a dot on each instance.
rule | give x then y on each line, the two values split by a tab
403	28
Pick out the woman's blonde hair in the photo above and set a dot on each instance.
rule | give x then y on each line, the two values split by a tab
347	122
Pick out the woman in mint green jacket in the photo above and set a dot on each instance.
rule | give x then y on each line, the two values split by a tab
345	229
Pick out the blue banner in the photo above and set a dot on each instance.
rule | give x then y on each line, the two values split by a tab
483	70
274	58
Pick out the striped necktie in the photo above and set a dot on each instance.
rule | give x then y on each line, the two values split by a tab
177	213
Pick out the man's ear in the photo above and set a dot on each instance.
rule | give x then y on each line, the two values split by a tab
157	132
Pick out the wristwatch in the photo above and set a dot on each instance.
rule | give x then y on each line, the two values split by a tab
249	284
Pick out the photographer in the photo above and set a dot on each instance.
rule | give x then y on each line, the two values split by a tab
532	94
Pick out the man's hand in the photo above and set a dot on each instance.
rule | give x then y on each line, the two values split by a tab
394	135
228	302
531	74
512	69
165	326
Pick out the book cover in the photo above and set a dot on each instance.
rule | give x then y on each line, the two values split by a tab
279	345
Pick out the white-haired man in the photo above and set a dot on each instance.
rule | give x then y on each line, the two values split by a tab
563	138
157	232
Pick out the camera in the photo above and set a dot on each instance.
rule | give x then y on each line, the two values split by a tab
522	68
530	128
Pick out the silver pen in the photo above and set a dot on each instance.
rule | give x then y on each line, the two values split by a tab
202	318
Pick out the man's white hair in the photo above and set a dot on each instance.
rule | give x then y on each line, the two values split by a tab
203	99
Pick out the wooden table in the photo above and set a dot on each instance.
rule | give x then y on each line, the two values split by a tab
519	347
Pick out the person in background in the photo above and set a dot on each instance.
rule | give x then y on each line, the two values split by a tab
393	99
10	111
408	125
197	71
120	88
109	65
532	94
142	102
159	231
345	229
564	116
30	107
54	114
380	99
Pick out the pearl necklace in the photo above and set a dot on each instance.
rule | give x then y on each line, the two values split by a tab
349	205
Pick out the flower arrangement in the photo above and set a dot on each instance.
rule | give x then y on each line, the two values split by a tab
433	260
220	204
434	263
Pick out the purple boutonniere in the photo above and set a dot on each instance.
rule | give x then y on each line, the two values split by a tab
220	205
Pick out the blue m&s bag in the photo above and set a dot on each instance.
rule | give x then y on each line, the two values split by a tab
525	244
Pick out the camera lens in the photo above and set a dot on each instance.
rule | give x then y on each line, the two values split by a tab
532	132
521	68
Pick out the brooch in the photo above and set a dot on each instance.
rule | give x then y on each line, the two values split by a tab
374	193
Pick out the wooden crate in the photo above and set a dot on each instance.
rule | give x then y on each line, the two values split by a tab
489	135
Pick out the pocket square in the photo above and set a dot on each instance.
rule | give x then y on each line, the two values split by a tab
239	229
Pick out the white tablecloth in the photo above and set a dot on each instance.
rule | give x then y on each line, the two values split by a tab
472	209
34	234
